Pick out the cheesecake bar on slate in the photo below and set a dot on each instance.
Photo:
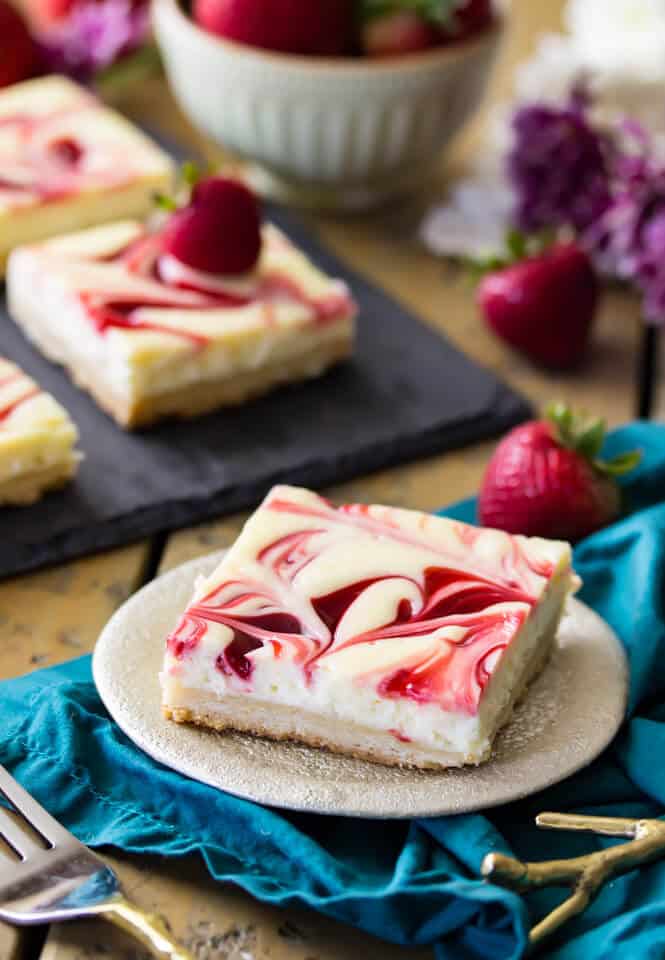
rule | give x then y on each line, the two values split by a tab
376	632
68	162
37	439
150	337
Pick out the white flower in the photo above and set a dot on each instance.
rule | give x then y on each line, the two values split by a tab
549	74
471	222
619	36
618	46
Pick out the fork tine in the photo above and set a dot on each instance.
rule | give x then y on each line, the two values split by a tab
21	842
32	812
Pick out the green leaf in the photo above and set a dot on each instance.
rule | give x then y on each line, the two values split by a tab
589	439
563	418
190	173
516	244
440	12
621	464
477	267
577	431
586	435
164	202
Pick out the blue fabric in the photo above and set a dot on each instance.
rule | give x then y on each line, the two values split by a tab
411	882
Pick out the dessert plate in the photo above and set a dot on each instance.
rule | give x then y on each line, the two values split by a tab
570	714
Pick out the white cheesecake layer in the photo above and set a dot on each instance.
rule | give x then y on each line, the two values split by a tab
335	698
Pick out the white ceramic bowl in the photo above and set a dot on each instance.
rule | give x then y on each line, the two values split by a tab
338	133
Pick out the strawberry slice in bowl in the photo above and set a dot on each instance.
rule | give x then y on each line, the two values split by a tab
398	27
323	29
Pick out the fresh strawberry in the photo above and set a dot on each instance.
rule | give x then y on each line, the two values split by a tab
219	230
47	12
545	478
470	18
544	305
397	33
392	27
321	28
18	52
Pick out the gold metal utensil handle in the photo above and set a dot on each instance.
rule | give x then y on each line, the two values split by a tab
584	875
148	929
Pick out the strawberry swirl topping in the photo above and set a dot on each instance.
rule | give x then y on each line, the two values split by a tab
157	282
15	389
51	156
414	606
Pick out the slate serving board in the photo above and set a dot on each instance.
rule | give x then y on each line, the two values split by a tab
407	393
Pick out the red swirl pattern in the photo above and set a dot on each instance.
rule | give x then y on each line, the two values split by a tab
485	607
10	377
187	290
48	170
47	160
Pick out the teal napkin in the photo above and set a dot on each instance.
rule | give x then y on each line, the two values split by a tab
411	882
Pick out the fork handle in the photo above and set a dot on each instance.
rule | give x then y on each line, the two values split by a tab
147	928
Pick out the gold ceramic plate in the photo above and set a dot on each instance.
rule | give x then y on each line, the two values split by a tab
570	714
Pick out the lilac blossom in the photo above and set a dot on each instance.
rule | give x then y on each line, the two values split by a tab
558	166
609	189
628	240
94	35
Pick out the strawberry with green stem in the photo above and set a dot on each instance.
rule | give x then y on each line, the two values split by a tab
393	27
546	478
540	298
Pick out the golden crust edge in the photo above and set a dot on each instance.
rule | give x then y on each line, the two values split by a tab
211	722
204	397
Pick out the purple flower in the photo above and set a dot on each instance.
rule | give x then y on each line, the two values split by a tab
558	166
650	276
94	35
628	240
609	190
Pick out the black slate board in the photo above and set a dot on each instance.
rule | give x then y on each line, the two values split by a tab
407	393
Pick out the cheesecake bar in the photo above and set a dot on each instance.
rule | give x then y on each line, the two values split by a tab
37	439
150	337
377	632
68	162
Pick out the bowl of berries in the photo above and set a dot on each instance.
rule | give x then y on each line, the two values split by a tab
336	104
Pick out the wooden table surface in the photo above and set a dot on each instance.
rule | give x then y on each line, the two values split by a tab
57	614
